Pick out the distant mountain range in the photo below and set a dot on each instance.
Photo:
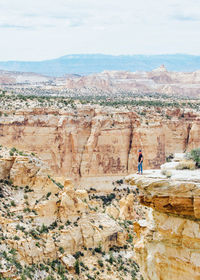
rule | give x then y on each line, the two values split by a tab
84	64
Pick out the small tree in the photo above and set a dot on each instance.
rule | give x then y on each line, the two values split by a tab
195	155
76	267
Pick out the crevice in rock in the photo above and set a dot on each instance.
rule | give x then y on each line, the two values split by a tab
130	145
82	152
188	136
91	143
82	237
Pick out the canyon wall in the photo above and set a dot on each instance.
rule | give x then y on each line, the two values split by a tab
93	141
45	221
168	241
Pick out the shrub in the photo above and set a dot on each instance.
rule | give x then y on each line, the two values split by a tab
76	267
98	249
119	182
61	250
186	164
78	254
130	238
48	195
16	237
169	158
195	155
44	229
13	203
100	263
13	150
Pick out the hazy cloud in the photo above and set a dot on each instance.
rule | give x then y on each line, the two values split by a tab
48	28
186	18
12	26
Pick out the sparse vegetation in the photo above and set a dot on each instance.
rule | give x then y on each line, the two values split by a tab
65	99
186	164
195	156
104	262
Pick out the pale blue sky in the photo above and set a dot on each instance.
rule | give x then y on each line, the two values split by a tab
44	29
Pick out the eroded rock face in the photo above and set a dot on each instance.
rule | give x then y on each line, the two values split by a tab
46	213
98	142
168	242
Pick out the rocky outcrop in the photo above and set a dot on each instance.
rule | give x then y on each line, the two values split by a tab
98	142
45	218
168	243
159	80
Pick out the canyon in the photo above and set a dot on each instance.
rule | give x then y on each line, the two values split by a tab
59	217
96	141
51	230
147	227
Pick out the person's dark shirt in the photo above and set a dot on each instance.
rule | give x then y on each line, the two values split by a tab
139	157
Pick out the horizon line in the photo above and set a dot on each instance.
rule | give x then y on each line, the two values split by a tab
103	54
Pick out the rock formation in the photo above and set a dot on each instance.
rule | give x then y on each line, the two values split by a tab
93	141
159	80
168	243
43	219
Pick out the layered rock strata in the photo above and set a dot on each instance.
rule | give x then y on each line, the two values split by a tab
44	218
93	141
168	241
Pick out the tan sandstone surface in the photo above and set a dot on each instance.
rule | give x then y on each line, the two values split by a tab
168	242
93	141
50	230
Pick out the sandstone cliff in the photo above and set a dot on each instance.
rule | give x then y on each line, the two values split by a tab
168	244
49	230
93	141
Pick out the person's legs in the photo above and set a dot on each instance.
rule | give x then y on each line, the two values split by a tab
141	169
138	167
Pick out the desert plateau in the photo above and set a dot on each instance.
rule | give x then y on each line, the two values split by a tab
72	205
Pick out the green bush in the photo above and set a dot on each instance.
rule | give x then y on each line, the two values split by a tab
100	263
76	267
195	155
169	158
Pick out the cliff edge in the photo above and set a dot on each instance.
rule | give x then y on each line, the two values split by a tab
168	241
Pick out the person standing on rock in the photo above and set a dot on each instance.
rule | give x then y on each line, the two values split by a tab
140	162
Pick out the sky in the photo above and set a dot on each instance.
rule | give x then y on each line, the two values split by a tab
46	29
